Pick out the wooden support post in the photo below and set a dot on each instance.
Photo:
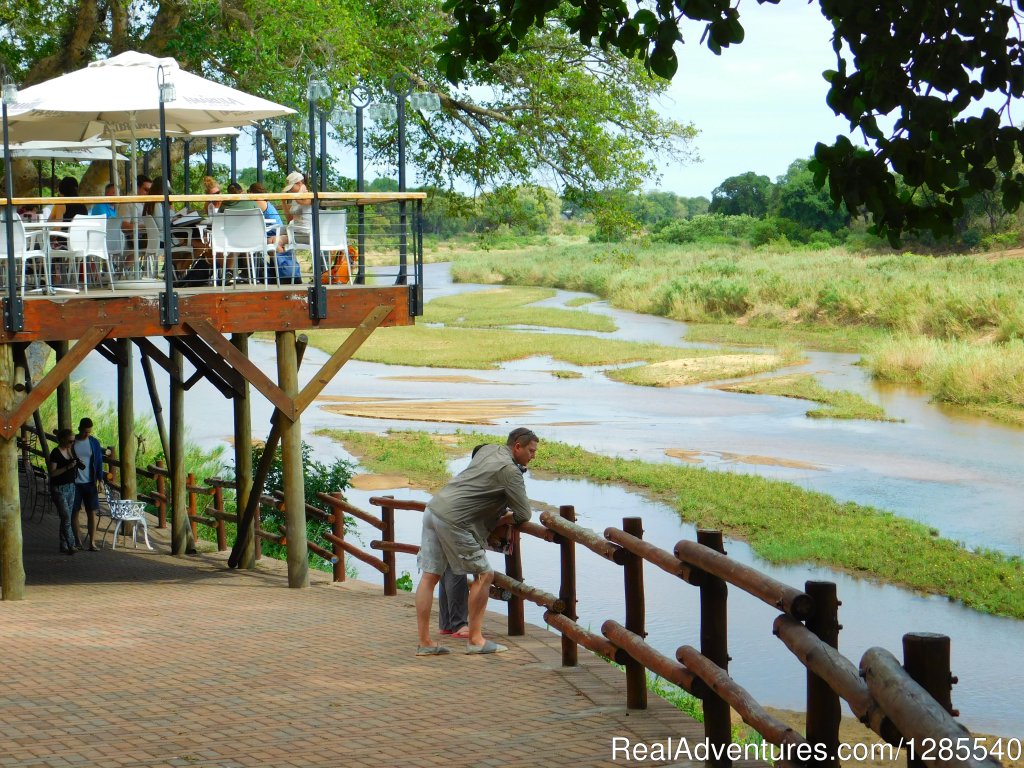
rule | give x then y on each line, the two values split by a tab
63	390
243	457
714	645
633	575
387	516
824	711
926	660
12	567
154	398
516	606
338	529
126	444
218	504
567	591
291	460
161	501
193	507
180	544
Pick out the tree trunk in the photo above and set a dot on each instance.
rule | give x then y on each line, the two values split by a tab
12	568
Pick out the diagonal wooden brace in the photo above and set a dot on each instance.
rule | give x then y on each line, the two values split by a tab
10	422
244	366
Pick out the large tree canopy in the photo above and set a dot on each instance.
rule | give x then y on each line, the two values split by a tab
556	107
943	74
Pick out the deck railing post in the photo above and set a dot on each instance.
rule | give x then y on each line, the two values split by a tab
161	496
715	645
567	590
218	505
193	510
514	570
926	659
824	711
387	516
633	577
338	529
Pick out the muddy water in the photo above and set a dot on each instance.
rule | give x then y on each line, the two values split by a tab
960	475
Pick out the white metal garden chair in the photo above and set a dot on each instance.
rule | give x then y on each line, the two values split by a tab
121	511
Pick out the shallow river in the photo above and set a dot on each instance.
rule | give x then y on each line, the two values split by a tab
958	474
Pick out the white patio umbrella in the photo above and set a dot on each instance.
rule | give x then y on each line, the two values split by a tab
66	150
120	96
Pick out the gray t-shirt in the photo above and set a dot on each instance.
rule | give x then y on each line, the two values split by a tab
478	496
83	449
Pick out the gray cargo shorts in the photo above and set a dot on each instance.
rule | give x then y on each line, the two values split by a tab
444	546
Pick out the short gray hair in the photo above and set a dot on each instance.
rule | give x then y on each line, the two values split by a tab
521	436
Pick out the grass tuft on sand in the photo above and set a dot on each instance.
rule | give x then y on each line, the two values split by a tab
839	404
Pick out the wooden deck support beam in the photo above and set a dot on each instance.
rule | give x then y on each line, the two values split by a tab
60	349
243	457
154	398
12	567
291	460
181	543
126	444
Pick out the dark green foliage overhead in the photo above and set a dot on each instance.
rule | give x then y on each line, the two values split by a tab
942	74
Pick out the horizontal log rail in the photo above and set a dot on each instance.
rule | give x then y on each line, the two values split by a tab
277	538
634	646
351	198
588	538
408	504
525	591
326	554
782	596
216	482
311	511
394	546
654	555
602	646
357	553
537	531
350	509
717	679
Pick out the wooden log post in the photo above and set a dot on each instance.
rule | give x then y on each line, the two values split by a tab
193	505
161	500
243	457
180	529
514	570
633	577
567	589
12	566
715	646
291	460
824	711
338	529
926	659
60	349
387	516
218	505
127	446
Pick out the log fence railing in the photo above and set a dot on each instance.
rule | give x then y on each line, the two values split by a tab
898	702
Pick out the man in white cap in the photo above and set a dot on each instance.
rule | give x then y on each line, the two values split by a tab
300	212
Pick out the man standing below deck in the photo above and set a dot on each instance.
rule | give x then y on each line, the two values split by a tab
456	524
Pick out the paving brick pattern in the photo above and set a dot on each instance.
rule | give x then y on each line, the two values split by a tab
133	658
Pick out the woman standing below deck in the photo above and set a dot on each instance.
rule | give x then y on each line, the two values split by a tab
64	466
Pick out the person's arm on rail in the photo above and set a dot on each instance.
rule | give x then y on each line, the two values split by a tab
515	492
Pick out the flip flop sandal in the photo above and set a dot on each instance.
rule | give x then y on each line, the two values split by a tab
488	647
432	650
462	634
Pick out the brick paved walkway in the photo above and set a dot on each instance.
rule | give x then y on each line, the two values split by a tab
132	658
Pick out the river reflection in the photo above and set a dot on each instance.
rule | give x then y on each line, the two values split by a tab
959	475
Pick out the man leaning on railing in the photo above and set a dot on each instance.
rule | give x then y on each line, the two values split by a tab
456	524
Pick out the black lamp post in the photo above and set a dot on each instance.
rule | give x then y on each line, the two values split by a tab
14	314
401	86
187	157
259	153
316	91
353	118
169	314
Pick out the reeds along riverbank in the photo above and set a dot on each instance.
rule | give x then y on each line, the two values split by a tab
967	298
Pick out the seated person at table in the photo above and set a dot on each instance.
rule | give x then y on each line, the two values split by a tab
105	209
211	187
300	211
66	211
234	188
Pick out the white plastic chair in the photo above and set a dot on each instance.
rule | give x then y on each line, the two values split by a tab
87	239
22	250
333	237
121	511
155	240
245	232
115	239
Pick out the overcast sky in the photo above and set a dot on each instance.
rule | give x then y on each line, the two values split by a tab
758	106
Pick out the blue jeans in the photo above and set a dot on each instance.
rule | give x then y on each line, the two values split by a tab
63	498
